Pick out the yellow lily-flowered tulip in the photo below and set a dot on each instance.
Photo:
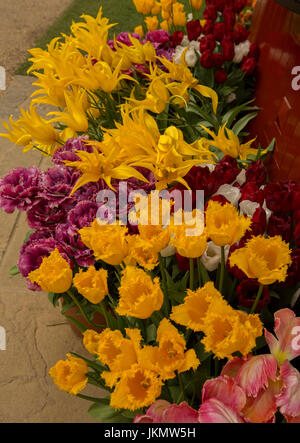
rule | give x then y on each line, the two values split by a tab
229	143
100	76
31	130
74	116
91	35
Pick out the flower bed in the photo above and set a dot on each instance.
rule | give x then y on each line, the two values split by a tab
158	214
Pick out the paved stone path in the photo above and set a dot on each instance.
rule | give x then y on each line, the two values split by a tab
37	334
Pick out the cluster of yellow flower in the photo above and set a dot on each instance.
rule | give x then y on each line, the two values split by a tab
171	11
138	372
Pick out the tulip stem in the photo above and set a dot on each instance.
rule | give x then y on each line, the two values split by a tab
102	310
191	274
181	384
259	293
199	272
166	305
77	303
222	269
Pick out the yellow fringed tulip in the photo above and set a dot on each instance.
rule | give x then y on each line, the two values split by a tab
224	225
137	388
193	312
265	259
179	16
139	295
228	331
170	356
92	284
108	242
190	246
54	274
91	340
70	375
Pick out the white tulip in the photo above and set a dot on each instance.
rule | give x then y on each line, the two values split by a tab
232	193
248	207
168	251
178	53
231	97
212	256
241	50
268	211
185	41
191	58
241	178
210	166
194	44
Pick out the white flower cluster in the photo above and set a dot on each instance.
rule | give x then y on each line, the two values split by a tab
192	54
241	50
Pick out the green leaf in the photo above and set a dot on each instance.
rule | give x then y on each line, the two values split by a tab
54	298
240	125
28	235
260	342
151	333
232	113
105	413
77	323
14	270
274	294
201	353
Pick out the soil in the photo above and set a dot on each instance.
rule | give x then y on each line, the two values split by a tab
22	21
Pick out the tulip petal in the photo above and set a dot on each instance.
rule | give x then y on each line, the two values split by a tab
289	398
255	373
287	330
214	411
182	413
226	390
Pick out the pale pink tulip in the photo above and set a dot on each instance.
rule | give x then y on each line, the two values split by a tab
214	411
288	400
287	329
181	413
154	414
226	390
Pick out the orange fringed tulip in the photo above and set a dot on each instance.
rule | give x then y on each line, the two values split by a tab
137	388
70	375
54	274
193	312
92	284
266	259
224	224
108	242
171	354
139	295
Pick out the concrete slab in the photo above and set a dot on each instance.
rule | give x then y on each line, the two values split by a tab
37	334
